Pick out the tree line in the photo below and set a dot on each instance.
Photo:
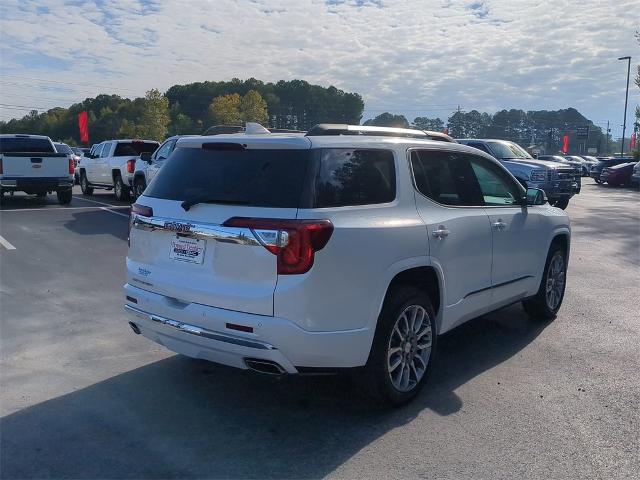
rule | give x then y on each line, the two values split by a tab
295	104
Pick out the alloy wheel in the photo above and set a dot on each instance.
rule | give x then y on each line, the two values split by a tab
556	277
409	348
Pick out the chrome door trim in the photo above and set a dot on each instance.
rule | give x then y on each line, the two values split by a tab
199	331
204	231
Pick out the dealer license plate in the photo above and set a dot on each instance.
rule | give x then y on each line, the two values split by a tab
189	250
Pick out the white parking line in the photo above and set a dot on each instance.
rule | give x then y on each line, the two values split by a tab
95	201
6	244
115	213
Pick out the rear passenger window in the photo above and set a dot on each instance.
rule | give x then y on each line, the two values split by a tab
446	177
355	177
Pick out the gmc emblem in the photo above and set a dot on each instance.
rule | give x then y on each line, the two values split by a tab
178	227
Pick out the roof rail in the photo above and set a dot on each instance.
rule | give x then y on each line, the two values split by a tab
253	129
344	129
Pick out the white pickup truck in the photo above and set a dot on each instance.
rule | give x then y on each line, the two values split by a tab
111	166
30	164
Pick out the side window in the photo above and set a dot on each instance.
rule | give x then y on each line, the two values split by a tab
164	150
355	177
106	149
497	188
445	177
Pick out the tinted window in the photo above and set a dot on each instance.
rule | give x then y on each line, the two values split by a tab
508	150
134	148
446	177
479	146
25	144
496	186
63	148
261	178
165	149
355	177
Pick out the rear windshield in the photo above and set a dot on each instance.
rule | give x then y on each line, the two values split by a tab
129	149
260	178
62	148
26	145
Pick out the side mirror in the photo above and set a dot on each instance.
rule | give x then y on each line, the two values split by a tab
145	157
535	196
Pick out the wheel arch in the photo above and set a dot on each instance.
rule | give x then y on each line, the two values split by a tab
425	277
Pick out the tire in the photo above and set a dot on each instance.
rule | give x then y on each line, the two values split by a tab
598	181
541	306
64	196
84	185
138	187
562	203
401	310
120	190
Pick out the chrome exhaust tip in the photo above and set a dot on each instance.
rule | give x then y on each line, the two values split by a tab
264	366
135	328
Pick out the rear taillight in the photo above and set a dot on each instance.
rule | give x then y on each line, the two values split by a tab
72	166
137	209
131	166
294	242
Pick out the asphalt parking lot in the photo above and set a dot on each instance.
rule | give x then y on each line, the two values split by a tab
81	396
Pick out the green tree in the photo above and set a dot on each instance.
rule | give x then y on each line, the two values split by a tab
425	123
225	109
387	119
153	123
253	108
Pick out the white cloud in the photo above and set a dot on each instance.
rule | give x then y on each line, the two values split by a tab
405	56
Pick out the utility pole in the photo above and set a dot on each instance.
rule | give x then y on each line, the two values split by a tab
626	99
608	130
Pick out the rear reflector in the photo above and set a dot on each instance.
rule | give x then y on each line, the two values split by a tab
294	242
240	328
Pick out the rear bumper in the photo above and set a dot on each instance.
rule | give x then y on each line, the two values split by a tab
200	331
35	183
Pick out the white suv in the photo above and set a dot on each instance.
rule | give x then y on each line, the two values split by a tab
345	247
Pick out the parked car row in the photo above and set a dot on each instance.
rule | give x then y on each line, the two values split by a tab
616	171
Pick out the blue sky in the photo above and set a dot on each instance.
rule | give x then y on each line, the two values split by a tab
413	57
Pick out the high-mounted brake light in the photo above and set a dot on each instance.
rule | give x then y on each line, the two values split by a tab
294	242
72	166
131	166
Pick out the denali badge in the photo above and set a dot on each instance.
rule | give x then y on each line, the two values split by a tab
178	227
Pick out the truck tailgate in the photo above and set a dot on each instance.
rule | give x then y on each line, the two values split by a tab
43	165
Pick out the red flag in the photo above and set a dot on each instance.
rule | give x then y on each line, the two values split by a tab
565	144
83	124
634	140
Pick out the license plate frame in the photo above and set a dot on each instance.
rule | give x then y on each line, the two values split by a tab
187	250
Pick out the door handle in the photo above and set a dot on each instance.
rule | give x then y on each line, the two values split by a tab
441	232
499	225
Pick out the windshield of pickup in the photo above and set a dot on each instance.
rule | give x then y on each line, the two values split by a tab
25	145
508	150
134	148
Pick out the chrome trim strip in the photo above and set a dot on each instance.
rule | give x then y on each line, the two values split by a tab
204	231
199	331
497	285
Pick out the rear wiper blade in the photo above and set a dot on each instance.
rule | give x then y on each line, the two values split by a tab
187	204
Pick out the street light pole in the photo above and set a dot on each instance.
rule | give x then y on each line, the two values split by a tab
626	99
